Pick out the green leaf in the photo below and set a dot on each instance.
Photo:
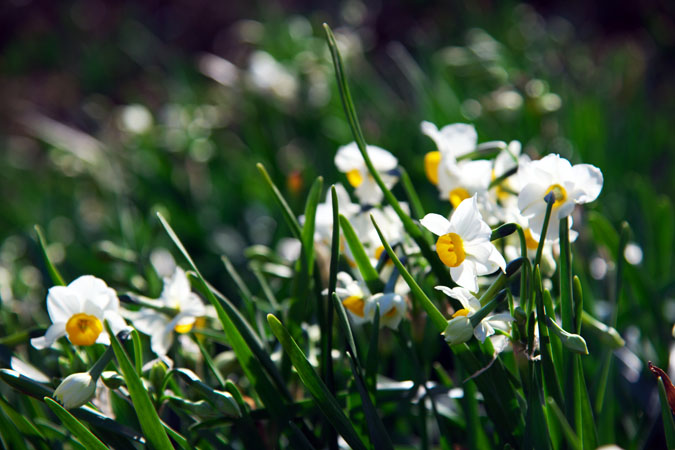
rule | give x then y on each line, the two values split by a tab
307	237
147	416
288	214
343	321
54	274
74	426
434	314
573	342
251	365
410	227
210	364
370	275
24	425
138	351
413	198
328	405
536	431
583	413
667	415
327	330
559	416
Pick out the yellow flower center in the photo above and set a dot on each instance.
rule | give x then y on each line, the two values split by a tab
378	252
183	328
462	312
431	163
83	329
559	194
457	195
355	304
354	177
450	249
530	242
391	313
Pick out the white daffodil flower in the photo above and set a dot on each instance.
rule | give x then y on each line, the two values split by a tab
452	141
78	311
464	244
392	309
75	390
570	185
458	181
390	225
160	326
457	329
356	299
349	161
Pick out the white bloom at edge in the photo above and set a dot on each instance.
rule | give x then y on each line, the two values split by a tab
349	161
569	184
176	294
78	312
392	309
452	141
458	181
470	305
464	244
75	390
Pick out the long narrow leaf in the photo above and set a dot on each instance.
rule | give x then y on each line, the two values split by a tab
361	259
285	209
667	415
74	426
583	413
145	411
325	400
54	274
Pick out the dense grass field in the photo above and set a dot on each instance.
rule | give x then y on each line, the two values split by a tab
193	253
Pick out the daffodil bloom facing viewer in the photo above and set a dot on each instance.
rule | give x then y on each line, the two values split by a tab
160	326
570	185
78	312
464	244
459	328
349	161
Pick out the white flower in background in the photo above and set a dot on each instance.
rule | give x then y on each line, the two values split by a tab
75	390
160	326
323	225
269	76
452	141
457	329
570	185
458	181
349	161
78	311
464	244
390	225
392	309
353	294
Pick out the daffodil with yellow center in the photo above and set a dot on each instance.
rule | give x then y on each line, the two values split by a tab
185	307
349	161
570	185
78	312
354	304
464	244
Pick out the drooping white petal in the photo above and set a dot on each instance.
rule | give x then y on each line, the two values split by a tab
532	194
62	303
436	223
465	275
54	332
497	258
467	221
458	293
483	331
588	181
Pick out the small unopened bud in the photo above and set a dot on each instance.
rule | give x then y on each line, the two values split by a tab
459	330
75	390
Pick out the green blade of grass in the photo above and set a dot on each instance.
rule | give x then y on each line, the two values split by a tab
25	426
147	415
138	351
536	432
210	364
343	321
286	210
667	415
328	405
370	275
327	332
559	416
307	236
86	437
373	354
250	364
411	228
583	413
54	274
413	198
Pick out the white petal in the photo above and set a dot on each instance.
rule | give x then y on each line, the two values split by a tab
458	293
436	223
349	157
465	275
62	303
95	289
467	221
460	138
54	332
193	306
588	182
115	321
382	159
483	330
501	317
91	308
148	321
497	259
563	210
532	194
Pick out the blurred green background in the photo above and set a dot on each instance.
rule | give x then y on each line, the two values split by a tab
112	111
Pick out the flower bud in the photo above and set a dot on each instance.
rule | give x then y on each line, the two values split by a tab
458	331
75	390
